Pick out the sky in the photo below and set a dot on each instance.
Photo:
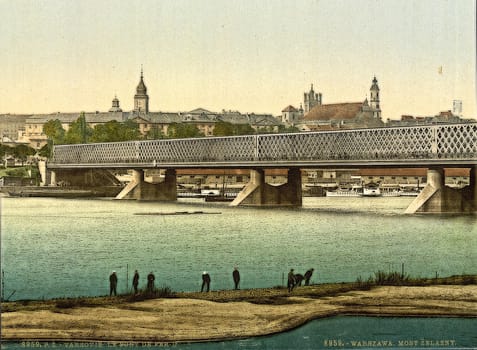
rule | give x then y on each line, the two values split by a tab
247	55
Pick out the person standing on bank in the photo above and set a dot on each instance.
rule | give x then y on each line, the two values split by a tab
150	282
298	279
205	281
113	283
308	276
135	281
291	281
236	277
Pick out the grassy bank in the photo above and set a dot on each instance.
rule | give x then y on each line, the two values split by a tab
267	296
232	314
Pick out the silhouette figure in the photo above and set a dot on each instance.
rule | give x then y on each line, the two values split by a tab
236	277
150	282
113	283
291	281
135	281
308	276
205	281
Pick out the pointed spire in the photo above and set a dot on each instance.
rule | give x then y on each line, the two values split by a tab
141	88
375	86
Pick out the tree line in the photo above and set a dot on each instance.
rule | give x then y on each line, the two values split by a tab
20	152
114	131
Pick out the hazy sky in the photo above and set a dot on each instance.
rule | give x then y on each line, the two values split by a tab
252	56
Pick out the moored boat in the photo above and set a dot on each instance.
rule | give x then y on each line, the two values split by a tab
371	190
345	191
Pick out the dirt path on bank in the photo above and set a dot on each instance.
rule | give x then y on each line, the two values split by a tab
183	319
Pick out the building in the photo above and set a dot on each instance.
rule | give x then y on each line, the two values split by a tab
34	124
444	117
12	126
291	115
350	115
141	99
115	107
151	124
412	177
311	99
374	100
317	116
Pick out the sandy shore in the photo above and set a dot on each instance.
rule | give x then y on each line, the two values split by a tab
186	319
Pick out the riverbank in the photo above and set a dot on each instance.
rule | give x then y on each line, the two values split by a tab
220	315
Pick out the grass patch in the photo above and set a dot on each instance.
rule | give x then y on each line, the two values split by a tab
69	303
163	292
382	278
276	295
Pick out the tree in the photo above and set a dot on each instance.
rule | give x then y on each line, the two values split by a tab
228	129
154	133
46	150
222	128
4	150
54	131
22	152
244	129
114	131
284	129
79	131
131	130
183	130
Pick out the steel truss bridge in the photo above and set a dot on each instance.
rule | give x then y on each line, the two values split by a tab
416	146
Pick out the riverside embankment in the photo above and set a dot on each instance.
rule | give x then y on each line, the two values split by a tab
219	315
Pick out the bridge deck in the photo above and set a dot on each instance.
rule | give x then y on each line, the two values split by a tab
449	145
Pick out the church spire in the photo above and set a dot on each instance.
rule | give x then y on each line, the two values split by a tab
374	98
311	99
141	99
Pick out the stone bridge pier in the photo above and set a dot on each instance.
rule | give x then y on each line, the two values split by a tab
438	198
142	190
258	193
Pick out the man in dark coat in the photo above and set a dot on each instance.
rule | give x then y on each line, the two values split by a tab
308	276
236	277
150	282
113	283
205	281
291	281
135	281
298	279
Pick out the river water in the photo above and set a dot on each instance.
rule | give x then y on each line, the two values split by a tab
66	248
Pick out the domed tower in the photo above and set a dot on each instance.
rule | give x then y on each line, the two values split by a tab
311	99
374	99
141	99
115	107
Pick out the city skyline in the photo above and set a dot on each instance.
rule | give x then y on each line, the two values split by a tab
249	56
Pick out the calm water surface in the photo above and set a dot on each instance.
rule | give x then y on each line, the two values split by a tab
64	248
334	333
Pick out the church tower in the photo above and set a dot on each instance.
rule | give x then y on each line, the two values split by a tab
374	99
115	107
311	99
141	99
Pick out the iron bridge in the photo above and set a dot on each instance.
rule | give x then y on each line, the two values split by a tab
439	145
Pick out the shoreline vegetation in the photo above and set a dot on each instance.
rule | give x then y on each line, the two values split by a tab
168	316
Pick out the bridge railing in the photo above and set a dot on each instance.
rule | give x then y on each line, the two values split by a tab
449	141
